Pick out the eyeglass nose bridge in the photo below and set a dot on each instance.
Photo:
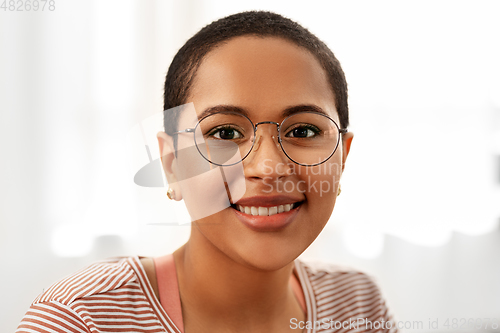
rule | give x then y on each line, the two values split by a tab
258	139
267	122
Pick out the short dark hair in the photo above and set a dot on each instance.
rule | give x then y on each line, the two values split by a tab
186	62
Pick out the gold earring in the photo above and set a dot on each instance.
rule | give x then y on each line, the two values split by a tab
338	193
171	194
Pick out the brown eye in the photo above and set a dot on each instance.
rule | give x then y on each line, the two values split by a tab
226	133
302	132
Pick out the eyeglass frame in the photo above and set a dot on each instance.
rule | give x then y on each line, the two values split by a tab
278	125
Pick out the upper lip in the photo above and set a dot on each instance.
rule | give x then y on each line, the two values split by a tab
268	201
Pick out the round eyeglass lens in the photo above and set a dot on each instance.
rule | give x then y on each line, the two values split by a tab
224	138
309	138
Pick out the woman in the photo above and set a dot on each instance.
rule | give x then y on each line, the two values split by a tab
264	104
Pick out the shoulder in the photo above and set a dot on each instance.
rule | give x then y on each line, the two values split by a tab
341	293
100	277
321	274
89	298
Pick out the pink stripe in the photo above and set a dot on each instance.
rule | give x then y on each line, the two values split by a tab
168	288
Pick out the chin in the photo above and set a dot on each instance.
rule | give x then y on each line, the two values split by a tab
268	258
269	263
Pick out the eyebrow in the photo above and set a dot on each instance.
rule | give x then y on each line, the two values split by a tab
302	108
285	113
222	108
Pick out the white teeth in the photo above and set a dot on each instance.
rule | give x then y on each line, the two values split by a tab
265	211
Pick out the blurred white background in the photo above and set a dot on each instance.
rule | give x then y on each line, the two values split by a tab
420	202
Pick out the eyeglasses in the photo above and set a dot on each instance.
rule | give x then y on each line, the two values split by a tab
306	138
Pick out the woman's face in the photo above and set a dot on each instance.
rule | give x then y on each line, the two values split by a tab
265	78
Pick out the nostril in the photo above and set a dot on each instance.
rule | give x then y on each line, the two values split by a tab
285	170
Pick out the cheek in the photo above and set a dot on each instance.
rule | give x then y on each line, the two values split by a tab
322	181
322	188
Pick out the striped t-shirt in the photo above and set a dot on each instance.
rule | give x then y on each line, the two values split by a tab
115	296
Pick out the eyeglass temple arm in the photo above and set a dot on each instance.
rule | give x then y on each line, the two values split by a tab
187	130
343	130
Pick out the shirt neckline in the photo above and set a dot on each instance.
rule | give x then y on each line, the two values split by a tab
168	324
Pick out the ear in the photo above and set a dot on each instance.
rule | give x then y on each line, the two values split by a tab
169	162
346	145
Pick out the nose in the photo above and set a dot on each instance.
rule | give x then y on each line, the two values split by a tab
267	159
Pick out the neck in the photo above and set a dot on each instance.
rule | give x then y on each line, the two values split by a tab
244	294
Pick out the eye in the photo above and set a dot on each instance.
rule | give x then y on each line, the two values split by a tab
226	133
303	131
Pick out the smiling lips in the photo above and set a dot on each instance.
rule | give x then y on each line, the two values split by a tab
266	211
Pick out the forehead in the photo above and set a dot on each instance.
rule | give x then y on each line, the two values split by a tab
262	75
